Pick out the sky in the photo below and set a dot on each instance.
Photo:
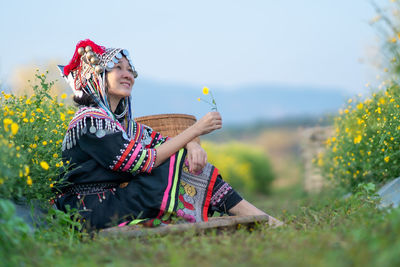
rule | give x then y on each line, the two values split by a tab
222	43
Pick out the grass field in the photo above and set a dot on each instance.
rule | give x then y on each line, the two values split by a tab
320	230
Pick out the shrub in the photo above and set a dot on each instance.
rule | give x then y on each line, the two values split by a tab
365	147
30	142
244	167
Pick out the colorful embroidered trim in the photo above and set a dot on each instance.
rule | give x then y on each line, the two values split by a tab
222	191
209	194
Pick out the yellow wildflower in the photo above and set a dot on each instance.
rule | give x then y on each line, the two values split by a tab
14	128
26	170
387	159
44	165
6	123
64	96
29	181
55	155
44	143
1	181
357	140
205	90
198	99
62	116
360	106
51	185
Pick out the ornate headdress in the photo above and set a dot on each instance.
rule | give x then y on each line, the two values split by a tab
86	71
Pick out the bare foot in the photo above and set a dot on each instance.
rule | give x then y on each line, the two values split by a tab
245	208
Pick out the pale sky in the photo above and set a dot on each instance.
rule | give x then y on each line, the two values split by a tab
225	43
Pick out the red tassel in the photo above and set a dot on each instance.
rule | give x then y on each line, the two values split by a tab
76	59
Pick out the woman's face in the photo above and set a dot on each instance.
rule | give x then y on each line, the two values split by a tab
120	80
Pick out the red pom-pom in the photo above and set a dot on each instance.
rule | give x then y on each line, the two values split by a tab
75	61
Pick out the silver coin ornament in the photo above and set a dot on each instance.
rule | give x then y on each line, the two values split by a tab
125	52
88	48
81	51
99	69
92	129
110	65
90	55
94	60
119	56
100	133
115	60
84	130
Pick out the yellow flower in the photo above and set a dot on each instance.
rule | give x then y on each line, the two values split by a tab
70	112
26	170
198	99
44	165
205	90
28	101
6	123
62	116
55	155
29	181
357	139
51	185
387	159
14	128
64	96
44	143
360	106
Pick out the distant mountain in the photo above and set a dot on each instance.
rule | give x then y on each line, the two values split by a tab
243	104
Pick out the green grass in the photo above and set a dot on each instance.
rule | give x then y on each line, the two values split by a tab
320	230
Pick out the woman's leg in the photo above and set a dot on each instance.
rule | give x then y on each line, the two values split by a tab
226	200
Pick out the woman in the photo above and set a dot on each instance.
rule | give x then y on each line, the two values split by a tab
122	172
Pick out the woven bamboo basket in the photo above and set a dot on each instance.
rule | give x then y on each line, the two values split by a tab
168	124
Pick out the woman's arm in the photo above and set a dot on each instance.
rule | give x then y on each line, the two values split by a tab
210	122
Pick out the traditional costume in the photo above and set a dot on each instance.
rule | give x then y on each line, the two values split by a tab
111	177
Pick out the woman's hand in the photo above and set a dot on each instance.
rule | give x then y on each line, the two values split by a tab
197	157
208	123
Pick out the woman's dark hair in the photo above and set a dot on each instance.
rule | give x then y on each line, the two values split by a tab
84	100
